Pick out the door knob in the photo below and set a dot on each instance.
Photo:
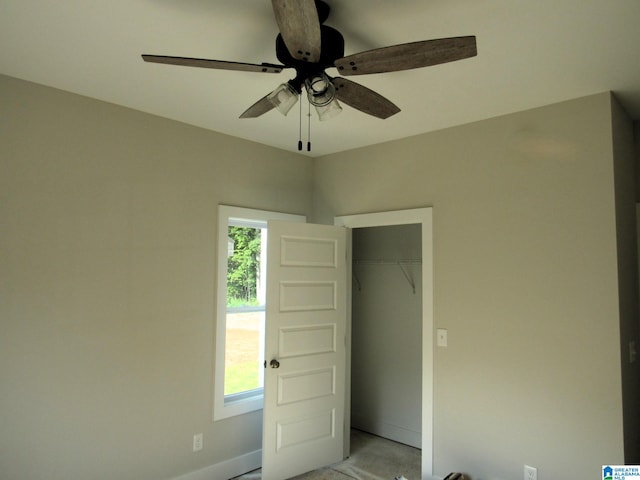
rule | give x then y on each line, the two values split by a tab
274	363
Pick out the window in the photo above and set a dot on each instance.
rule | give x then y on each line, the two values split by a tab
240	320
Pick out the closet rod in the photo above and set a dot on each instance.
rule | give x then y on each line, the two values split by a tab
388	262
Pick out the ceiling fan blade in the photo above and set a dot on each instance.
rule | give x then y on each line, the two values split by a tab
261	107
300	28
217	64
363	99
408	55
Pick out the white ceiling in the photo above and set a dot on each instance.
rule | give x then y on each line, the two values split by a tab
530	53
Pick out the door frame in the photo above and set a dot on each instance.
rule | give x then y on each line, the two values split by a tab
423	216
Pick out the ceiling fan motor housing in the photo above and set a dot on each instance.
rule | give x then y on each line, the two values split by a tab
332	49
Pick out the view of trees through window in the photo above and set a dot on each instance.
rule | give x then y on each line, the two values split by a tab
244	266
245	310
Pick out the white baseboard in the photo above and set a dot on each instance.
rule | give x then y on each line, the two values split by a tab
388	430
228	469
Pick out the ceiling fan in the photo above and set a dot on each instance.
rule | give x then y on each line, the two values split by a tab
308	46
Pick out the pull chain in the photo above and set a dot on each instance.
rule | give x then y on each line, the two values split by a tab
300	127
309	128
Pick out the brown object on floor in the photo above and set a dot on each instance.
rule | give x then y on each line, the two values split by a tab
456	476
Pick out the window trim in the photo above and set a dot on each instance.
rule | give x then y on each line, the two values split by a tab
244	403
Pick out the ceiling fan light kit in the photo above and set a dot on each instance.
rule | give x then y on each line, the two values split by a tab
308	46
321	93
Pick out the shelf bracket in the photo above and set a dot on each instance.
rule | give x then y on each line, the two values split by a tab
355	277
408	277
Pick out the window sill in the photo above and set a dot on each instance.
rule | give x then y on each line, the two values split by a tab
239	406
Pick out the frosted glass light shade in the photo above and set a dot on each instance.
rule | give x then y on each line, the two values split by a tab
283	98
320	90
328	111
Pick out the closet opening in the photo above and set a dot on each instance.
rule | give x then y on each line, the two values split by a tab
386	332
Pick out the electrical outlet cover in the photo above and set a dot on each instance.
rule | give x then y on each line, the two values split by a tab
197	442
530	473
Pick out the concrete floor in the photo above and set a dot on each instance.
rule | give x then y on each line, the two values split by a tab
372	458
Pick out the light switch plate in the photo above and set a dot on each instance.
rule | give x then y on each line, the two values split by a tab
441	337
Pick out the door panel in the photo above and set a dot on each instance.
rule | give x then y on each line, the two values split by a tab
304	391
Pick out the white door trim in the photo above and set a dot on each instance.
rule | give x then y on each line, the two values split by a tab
423	216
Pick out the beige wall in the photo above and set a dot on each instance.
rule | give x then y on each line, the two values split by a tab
525	277
625	163
107	268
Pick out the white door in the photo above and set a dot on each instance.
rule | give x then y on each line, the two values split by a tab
304	385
